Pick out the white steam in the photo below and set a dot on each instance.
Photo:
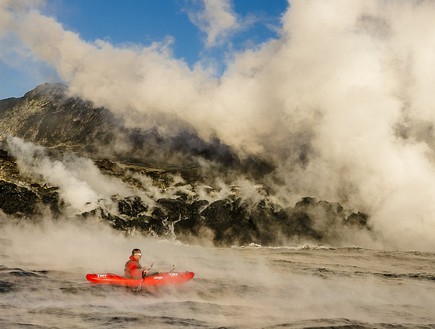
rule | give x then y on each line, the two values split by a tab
236	288
80	182
347	88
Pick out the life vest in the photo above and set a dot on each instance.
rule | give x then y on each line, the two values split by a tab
133	269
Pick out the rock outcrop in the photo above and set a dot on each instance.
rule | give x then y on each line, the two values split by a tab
169	200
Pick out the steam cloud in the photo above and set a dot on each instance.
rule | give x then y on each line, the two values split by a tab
341	101
81	183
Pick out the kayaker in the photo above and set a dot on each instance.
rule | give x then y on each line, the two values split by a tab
133	269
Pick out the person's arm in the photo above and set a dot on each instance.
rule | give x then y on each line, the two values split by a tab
146	270
136	271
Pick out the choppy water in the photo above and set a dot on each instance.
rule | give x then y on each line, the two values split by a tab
42	284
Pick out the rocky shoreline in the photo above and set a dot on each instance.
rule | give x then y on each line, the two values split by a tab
185	216
170	201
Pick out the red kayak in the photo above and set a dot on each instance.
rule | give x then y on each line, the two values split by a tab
153	280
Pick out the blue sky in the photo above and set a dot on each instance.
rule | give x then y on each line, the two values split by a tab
141	23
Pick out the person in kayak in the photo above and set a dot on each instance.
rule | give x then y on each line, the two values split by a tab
133	269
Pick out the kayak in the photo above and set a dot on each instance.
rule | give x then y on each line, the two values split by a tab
153	280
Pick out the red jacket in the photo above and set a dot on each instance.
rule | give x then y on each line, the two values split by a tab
133	269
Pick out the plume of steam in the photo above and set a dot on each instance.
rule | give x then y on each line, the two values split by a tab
80	182
341	102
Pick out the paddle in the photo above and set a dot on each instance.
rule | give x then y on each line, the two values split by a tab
144	272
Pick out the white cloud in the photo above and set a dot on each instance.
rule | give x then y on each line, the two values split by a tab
217	20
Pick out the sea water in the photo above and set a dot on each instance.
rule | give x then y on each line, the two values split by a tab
43	285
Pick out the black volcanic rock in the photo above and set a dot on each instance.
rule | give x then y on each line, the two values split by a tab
169	196
358	219
231	220
21	197
131	206
21	201
17	200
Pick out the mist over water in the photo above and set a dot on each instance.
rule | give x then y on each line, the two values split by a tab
42	282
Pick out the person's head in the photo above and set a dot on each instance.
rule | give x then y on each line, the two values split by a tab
136	253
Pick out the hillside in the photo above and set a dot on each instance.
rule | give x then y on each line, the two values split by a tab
61	157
